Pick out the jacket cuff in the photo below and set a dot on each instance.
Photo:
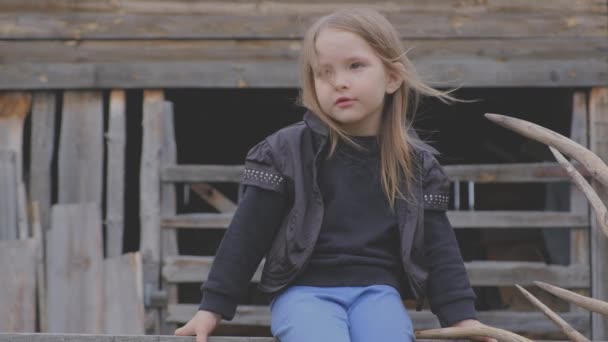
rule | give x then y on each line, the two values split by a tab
457	311
218	303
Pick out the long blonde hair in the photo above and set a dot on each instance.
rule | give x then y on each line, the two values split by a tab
396	149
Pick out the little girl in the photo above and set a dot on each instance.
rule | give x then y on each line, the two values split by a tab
348	206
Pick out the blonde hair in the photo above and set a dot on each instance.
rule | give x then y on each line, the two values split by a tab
396	146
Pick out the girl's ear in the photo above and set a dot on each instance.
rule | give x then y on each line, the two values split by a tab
394	78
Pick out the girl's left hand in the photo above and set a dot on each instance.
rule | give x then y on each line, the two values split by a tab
473	323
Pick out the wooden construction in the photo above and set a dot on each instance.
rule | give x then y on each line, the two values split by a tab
76	68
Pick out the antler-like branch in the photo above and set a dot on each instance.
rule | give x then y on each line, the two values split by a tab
591	304
597	168
598	207
574	335
468	332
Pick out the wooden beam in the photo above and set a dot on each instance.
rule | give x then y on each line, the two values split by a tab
459	219
598	143
187	269
262	63
275	20
528	322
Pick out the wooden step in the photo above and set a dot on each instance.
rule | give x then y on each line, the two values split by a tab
459	219
185	269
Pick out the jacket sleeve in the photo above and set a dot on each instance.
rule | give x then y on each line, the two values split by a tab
263	170
436	185
451	296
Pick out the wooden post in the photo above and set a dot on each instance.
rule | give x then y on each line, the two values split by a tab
149	197
168	207
81	148
579	238
115	193
41	153
598	141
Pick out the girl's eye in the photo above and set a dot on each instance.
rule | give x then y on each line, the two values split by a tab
356	65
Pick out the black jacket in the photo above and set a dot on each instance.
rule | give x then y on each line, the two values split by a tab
288	161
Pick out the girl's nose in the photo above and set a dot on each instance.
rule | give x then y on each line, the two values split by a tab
341	82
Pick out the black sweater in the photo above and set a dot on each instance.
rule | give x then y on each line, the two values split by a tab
357	246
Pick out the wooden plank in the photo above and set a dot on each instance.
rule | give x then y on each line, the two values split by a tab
529	322
517	219
38	235
246	6
80	159
510	173
598	142
185	269
479	173
22	219
14	107
168	198
8	195
268	20
149	198
74	269
459	219
230	63
41	153
18	285
116	139
214	197
203	173
579	238
123	295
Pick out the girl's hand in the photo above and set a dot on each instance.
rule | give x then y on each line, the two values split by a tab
473	323
202	325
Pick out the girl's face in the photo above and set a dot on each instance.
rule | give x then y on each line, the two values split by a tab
351	81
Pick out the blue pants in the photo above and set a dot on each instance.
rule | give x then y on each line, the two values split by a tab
340	314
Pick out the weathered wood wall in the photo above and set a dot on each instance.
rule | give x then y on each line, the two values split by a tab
136	43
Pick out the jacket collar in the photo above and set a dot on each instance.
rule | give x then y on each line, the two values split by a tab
316	124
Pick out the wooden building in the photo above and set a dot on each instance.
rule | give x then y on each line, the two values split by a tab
123	124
